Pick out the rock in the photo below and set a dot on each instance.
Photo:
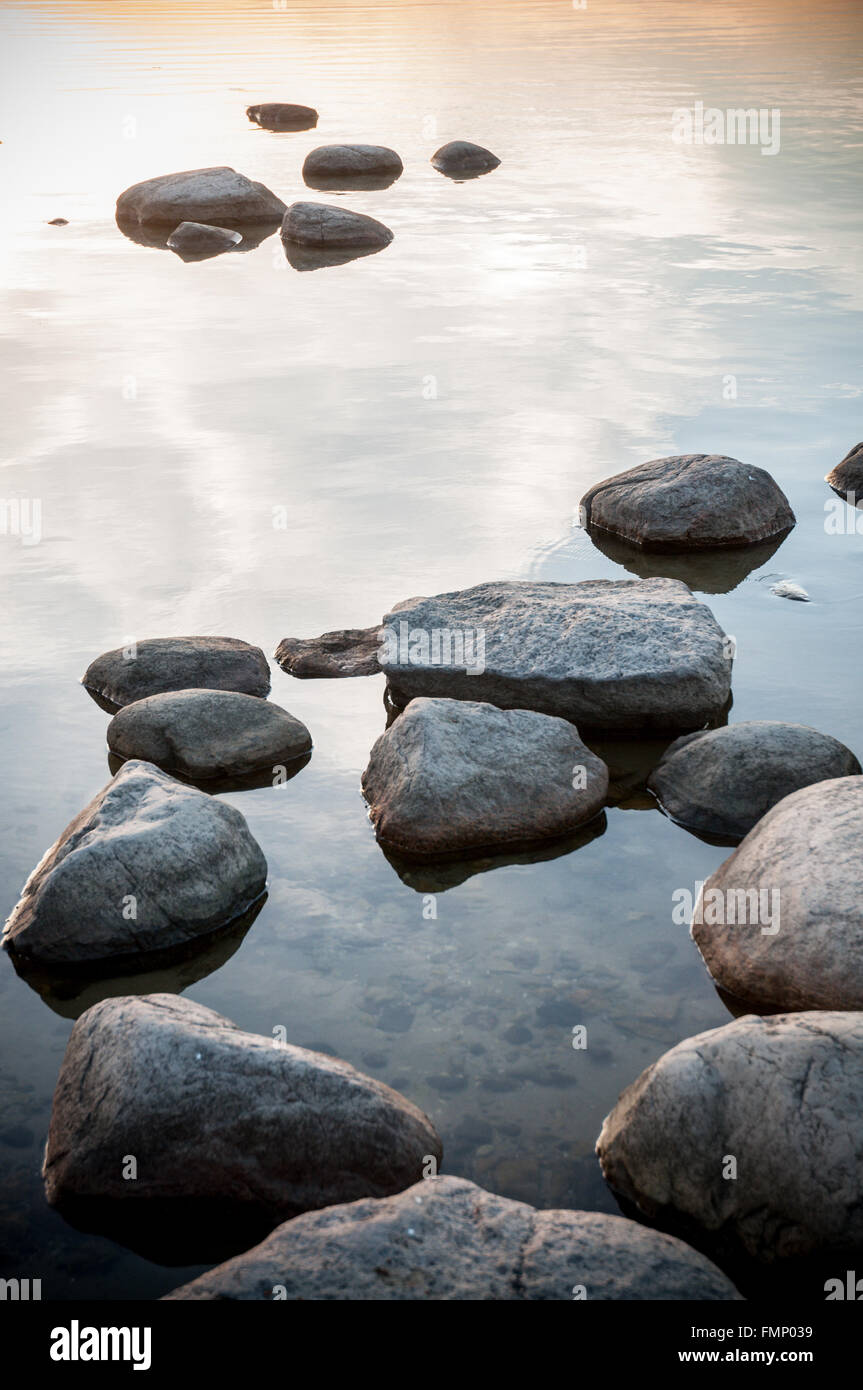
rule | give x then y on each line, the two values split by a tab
193	239
803	860
786	588
232	1132
461	157
325	228
847	477
780	1096
329	163
348	652
59	222
447	1239
720	782
622	655
692	502
284	115
159	664
456	776
145	870
213	196
208	733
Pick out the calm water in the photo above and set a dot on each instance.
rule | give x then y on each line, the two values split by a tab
430	418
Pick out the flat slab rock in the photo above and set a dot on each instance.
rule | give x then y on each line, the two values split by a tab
214	196
347	652
147	868
215	1114
326	228
160	664
722	781
847	477
447	1239
461	156
456	776
620	655
351	161
205	734
689	502
782	1096
802	858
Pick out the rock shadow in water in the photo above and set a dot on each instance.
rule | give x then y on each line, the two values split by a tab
709	571
304	258
253	781
352	183
156	238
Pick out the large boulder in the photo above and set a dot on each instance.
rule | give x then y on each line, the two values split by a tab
447	1239
748	1141
218	1121
144	872
780	922
217	196
204	734
329	163
847	477
620	655
455	776
720	782
320	227
691	502
347	652
461	157
194	241
282	115
159	664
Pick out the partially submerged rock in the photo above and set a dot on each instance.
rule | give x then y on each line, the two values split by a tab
159	664
786	588
282	115
447	1239
203	734
690	502
720	782
620	655
847	477
747	1141
230	1132
216	196
324	228
456	776
779	924
142	874
59	222
197	240
462	158
347	652
330	164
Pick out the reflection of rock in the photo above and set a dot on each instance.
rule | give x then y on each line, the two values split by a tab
69	995
630	762
148	868
305	258
160	664
461	159
847	477
218	196
437	876
196	241
779	923
157	237
282	115
722	781
355	166
709	571
780	1099
348	652
208	733
322	227
231	1132
455	777
447	1239
219	786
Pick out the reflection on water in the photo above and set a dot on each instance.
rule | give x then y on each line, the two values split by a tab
712	571
230	447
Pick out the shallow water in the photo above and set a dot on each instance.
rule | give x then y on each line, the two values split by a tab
429	417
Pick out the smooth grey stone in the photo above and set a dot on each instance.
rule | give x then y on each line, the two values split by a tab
273	115
805	856
779	1095
721	782
620	655
452	776
447	1239
347	652
208	733
322	227
847	477
351	161
159	664
214	1115
199	239
462	157
213	196
689	502
150	866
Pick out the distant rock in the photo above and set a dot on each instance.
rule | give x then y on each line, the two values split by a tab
159	664
195	239
786	588
203	734
619	655
797	884
348	652
721	782
446	1239
460	157
144	872
781	1098
282	115
847	477
325	228
231	1132
213	196
59	222
329	163
456	776
690	502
